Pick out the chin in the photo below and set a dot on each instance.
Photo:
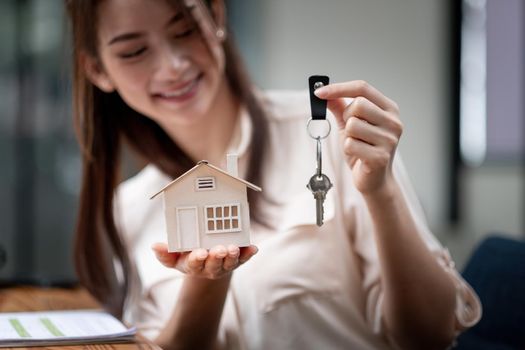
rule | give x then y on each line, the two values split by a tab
187	118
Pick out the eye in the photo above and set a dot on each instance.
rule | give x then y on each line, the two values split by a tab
185	33
133	54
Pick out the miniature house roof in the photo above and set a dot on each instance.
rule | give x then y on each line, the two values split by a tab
205	163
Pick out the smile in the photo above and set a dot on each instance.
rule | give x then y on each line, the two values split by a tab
185	92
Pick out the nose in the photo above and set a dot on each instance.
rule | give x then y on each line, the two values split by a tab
172	63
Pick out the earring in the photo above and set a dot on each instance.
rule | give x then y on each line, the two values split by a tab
220	34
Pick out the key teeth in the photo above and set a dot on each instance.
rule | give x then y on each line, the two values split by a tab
319	186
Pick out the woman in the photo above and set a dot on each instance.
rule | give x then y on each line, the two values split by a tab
164	77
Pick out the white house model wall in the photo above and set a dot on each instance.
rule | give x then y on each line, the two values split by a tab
206	207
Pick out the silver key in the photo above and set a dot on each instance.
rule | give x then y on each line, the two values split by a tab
319	185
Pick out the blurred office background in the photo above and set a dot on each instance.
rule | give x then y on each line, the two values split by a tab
459	82
38	153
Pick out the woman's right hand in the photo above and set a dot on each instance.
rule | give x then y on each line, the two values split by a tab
215	263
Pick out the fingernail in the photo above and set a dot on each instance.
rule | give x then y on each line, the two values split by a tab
320	92
221	253
202	255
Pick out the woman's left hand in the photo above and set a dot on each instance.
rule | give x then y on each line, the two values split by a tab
370	129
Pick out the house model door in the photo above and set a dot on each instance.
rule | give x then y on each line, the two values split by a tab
188	227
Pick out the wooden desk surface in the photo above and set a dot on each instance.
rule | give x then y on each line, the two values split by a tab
38	299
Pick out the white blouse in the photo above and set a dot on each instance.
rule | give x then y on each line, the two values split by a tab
308	287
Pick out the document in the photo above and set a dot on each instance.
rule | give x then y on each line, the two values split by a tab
20	329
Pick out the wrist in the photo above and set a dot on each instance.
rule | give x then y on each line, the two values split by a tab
385	193
209	282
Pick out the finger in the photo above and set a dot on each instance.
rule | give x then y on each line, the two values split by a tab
354	89
232	259
371	134
213	265
364	109
195	261
166	258
373	157
338	107
247	253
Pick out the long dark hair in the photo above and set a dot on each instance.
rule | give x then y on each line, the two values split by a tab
103	122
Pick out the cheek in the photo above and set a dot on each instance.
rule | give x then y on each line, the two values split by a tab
130	83
201	54
123	75
130	80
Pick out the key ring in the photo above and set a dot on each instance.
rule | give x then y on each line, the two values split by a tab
318	137
319	158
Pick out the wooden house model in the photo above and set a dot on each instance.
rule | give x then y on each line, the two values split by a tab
207	206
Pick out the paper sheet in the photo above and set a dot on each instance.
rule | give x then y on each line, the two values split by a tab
60	327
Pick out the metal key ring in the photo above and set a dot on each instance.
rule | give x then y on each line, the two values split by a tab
320	137
319	158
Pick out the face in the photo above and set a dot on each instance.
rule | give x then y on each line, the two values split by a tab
157	60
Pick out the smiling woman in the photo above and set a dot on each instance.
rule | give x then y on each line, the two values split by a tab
159	66
164	77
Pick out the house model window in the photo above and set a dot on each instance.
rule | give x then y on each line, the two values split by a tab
223	218
205	183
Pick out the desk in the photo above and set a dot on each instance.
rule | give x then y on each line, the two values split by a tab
38	299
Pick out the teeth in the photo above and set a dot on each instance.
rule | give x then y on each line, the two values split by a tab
180	92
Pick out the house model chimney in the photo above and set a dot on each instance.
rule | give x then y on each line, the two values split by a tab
231	165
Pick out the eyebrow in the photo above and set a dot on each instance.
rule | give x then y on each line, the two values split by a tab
134	35
176	17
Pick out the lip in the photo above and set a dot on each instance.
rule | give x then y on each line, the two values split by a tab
182	93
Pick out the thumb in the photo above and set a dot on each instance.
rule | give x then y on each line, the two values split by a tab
166	258
337	107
